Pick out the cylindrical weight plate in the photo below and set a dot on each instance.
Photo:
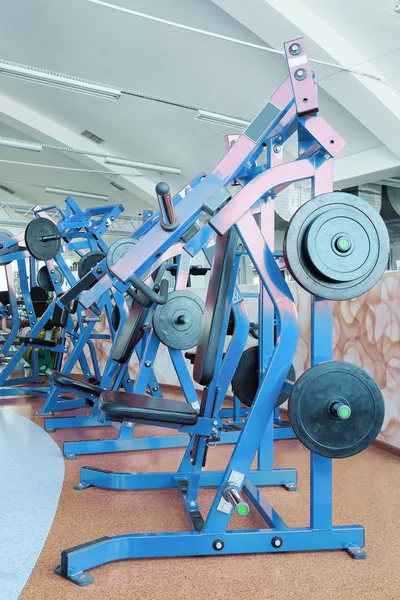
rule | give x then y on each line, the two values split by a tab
246	378
45	281
88	261
315	398
336	246
4	236
36	243
177	323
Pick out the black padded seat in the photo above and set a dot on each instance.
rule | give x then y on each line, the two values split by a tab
37	342
123	406
61	380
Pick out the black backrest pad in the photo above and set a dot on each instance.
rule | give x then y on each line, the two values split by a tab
130	334
215	307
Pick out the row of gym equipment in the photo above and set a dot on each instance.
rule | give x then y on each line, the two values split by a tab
336	247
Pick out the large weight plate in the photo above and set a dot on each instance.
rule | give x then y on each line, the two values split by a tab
88	261
336	246
38	294
44	280
246	380
311	402
35	231
177	323
4	236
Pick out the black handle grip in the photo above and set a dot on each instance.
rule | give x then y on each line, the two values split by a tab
72	310
151	294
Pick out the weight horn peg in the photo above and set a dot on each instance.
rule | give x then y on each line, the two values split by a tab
168	219
232	494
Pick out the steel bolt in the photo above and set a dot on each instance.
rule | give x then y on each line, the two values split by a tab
277	148
215	422
56	281
31	312
147	363
155	388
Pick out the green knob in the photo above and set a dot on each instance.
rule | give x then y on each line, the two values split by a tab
343	244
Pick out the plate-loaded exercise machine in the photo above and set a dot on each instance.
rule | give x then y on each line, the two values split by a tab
341	251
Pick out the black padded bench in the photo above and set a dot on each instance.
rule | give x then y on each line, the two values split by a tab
61	380
123	406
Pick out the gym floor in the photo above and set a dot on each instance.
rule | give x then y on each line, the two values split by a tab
366	491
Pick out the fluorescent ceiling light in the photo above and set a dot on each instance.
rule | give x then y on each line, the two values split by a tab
74	193
58	80
210	117
122	162
21	145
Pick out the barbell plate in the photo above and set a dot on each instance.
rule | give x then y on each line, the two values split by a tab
310	409
44	280
117	250
246	379
4	236
35	231
336	246
88	261
177	323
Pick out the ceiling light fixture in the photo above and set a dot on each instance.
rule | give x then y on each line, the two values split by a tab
74	193
58	80
20	144
210	117
122	162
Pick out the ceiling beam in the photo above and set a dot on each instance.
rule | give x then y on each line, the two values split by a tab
48	131
365	167
375	104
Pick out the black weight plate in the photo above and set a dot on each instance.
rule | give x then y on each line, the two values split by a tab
336	246
88	261
35	231
177	323
38	294
245	380
44	280
310	409
4	236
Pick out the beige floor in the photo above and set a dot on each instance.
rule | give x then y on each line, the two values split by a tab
366	491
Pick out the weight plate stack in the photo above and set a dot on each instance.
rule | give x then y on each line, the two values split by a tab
177	323
336	409
336	246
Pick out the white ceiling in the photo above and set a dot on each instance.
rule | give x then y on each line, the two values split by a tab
93	42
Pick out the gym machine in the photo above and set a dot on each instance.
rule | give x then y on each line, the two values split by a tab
336	247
